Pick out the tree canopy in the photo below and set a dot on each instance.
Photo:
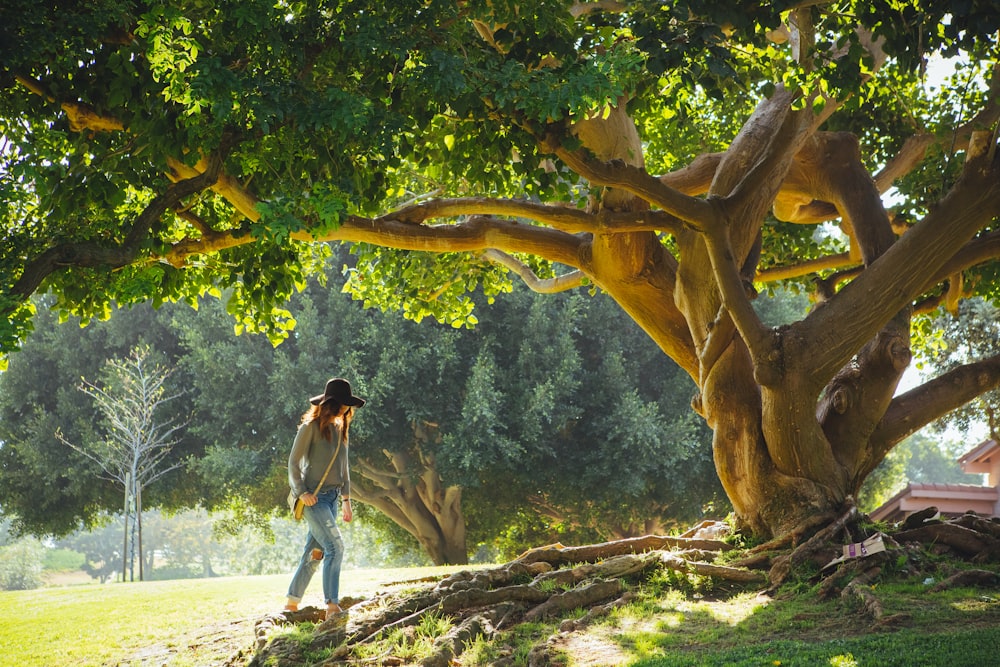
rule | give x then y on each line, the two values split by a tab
680	156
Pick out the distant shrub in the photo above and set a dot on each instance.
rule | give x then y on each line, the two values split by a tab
61	560
21	565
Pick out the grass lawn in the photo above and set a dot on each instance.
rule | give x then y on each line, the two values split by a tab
204	621
192	622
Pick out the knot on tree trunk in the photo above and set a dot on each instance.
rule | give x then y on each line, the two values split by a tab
894	349
843	388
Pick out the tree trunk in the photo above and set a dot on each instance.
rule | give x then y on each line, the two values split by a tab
138	520
125	512
412	494
773	457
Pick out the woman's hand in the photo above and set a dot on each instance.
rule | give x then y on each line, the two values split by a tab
348	512
308	499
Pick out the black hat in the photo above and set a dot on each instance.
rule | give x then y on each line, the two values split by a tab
338	390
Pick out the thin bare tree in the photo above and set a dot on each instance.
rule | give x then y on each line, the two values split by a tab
136	449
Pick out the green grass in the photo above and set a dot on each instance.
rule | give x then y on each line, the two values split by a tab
190	622
958	628
203	621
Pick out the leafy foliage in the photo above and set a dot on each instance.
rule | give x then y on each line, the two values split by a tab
969	335
21	565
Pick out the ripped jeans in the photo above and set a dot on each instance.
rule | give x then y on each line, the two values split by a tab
323	534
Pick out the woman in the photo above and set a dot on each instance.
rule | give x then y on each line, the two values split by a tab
320	449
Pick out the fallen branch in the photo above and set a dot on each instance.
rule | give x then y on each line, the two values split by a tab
453	642
583	596
859	588
967	542
595	612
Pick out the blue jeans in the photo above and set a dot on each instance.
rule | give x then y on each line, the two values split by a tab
323	534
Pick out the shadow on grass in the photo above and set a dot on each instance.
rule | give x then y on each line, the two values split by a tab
906	648
958	628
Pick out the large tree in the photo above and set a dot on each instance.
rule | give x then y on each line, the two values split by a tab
675	155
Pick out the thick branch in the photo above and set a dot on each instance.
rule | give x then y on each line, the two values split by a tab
836	174
737	305
92	254
981	249
777	273
474	235
745	185
858	396
902	272
911	411
695	178
815	211
563	218
637	181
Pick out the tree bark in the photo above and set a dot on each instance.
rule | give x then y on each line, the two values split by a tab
412	494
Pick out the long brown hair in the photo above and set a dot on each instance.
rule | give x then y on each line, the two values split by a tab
326	414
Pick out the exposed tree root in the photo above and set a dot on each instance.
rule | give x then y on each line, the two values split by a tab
966	542
979	578
543	583
551	582
559	555
820	542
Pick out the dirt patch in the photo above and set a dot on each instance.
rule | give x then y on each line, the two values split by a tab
588	649
210	645
68	578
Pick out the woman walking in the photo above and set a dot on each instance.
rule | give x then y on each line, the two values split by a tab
319	476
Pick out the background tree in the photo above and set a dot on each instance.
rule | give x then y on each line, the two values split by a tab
183	545
21	565
38	394
923	458
136	445
101	545
967	335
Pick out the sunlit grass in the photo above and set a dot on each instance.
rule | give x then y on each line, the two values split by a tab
177	622
956	628
195	622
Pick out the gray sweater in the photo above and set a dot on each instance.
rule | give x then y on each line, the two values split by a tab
310	455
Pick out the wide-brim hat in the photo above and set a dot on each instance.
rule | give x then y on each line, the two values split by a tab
339	390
